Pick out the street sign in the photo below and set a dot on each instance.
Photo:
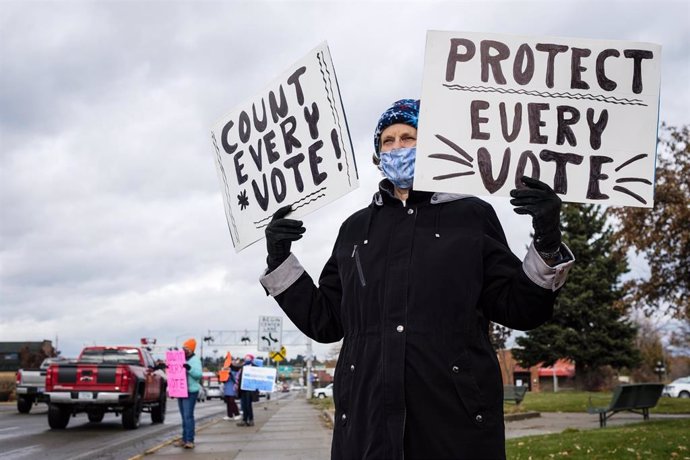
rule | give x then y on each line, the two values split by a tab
270	333
278	356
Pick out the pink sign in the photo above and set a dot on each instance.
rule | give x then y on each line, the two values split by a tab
177	375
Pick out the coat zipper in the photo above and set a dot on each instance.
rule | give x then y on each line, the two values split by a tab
355	255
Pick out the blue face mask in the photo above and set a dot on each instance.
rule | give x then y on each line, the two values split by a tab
398	166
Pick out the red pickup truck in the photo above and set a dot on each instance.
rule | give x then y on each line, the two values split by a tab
123	380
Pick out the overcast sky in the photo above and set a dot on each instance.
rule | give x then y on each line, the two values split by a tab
112	225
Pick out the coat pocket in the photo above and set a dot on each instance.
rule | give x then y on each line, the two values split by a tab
469	393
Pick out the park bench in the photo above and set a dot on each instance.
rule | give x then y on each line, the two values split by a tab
632	398
514	393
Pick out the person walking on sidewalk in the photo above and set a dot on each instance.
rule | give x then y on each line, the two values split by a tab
412	284
186	405
246	396
230	392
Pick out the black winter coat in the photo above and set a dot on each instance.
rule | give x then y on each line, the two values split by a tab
412	289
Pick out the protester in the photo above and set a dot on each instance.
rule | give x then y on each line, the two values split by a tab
186	405
412	284
231	390
246	396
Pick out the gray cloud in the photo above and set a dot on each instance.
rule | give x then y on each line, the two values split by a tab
111	221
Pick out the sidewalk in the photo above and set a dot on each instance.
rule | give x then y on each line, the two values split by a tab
284	429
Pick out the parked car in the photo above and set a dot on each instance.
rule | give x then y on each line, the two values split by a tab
214	391
679	388
31	385
325	392
124	380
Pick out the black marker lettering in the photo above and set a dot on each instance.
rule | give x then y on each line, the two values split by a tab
294	162
241	178
534	118
522	77
454	57
493	61
517	121
262	199
260	125
564	131
245	127
596	129
484	161
229	149
553	50
277	178
576	69
311	119
522	163
605	83
314	161
476	120
637	56
271	154
595	176
289	140
294	80
560	178
277	111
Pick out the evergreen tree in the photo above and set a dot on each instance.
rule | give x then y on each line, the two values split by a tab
589	325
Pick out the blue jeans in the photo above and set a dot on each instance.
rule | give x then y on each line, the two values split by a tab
246	403
186	406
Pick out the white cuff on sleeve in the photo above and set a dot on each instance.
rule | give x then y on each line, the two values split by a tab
542	274
282	277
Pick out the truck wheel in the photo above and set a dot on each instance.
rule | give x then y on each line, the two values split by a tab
96	416
24	404
131	415
158	411
58	416
684	394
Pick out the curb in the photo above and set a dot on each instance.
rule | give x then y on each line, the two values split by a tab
521	416
155	449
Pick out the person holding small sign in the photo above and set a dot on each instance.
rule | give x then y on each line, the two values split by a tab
412	284
246	396
186	405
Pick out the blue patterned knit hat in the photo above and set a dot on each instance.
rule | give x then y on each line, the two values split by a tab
403	111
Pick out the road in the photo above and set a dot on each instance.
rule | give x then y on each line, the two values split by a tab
27	436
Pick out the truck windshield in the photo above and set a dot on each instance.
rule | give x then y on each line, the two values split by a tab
119	356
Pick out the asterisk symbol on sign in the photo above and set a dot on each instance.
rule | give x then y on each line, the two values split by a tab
243	200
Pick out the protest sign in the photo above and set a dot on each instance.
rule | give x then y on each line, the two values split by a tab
177	375
258	378
580	115
289	144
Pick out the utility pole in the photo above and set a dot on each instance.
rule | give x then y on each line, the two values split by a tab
310	359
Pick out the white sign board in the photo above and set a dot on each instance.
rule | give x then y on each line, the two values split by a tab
580	115
270	333
289	144
258	378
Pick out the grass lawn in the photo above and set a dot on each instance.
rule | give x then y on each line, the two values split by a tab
660	439
577	401
564	401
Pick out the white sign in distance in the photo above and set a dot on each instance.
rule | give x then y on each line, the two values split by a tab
270	333
580	115
258	378
288	144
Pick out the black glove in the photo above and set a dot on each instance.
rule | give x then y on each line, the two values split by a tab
280	233
186	366
542	203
